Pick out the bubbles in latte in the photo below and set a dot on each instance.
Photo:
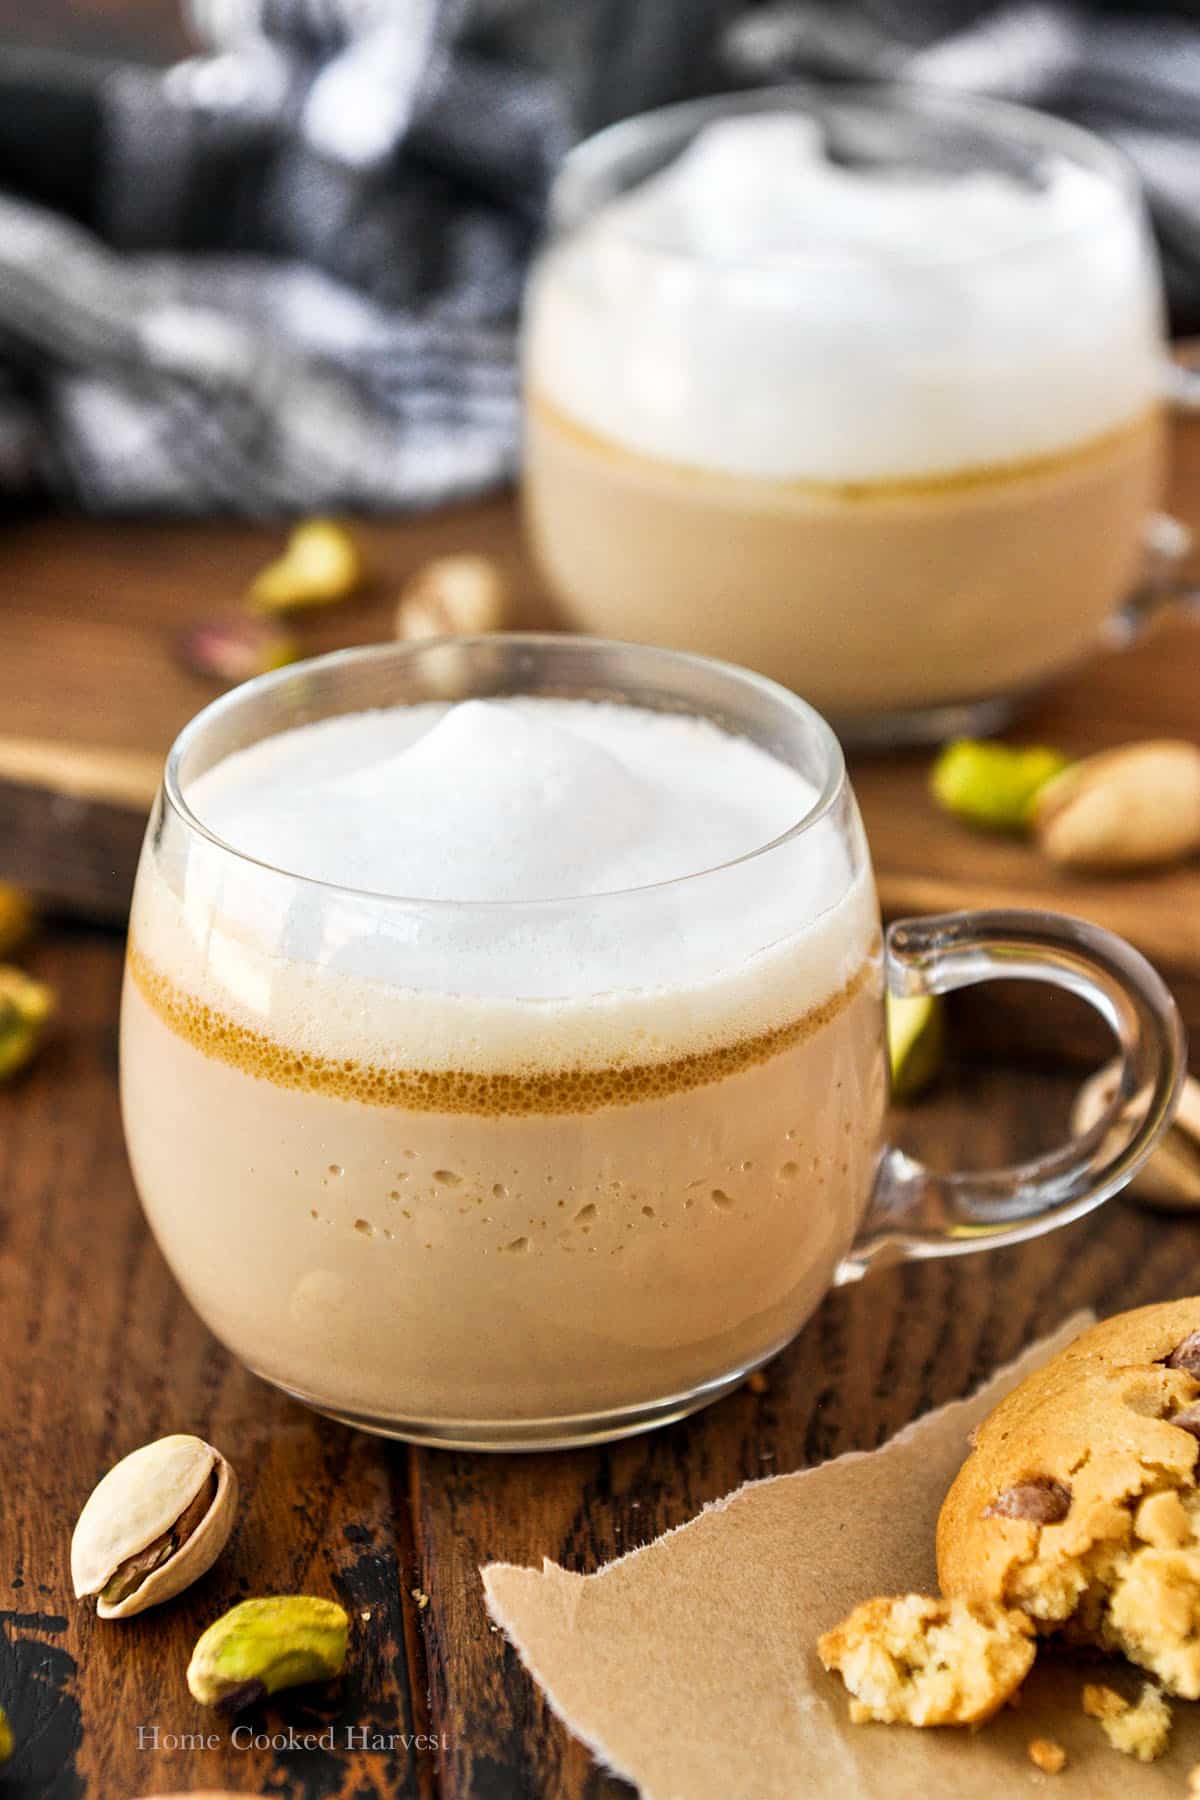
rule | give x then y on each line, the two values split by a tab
584	1115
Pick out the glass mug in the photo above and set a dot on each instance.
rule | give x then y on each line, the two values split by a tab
492	1251
910	481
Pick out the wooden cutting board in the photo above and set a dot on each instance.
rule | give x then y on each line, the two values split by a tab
92	692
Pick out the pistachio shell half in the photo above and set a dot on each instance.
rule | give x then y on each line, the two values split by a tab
453	596
156	1523
1171	1175
1133	807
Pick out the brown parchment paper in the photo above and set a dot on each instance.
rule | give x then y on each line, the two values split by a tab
689	1666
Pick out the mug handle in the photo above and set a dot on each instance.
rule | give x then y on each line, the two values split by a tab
1163	587
915	1212
1166	541
1181	381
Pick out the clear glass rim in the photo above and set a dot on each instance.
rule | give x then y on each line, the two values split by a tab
262	686
572	196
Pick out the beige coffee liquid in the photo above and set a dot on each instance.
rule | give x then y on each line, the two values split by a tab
862	598
414	1205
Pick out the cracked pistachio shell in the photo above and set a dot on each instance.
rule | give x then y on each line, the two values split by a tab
1129	808
1170	1177
453	596
156	1523
264	1645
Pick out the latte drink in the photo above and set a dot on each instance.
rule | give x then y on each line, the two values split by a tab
884	430
459	1095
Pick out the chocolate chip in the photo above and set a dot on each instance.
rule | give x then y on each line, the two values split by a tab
1186	1355
1041	1500
1188	1419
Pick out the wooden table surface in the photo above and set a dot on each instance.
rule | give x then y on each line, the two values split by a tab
100	1353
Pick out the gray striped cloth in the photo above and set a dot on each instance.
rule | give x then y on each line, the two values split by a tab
294	282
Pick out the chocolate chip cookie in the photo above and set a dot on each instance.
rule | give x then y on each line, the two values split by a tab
1079	1506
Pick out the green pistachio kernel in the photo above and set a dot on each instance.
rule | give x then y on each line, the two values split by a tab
993	785
262	1646
915	1038
25	1008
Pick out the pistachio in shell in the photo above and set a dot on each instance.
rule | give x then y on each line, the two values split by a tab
1135	807
156	1523
453	596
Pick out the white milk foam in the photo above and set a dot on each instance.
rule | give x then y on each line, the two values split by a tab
524	799
518	800
758	310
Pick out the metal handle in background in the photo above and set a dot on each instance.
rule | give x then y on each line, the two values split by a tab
917	1213
1166	544
1167	541
1181	379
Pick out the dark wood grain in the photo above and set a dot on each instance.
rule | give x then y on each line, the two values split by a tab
101	1353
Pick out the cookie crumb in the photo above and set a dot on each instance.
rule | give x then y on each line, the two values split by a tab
757	1383
916	1660
421	1599
1193	1780
1047	1756
1102	1702
1139	1729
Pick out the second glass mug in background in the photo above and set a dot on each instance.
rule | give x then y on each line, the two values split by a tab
470	1255
910	482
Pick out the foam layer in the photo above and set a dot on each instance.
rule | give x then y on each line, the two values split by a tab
759	310
523	799
523	802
